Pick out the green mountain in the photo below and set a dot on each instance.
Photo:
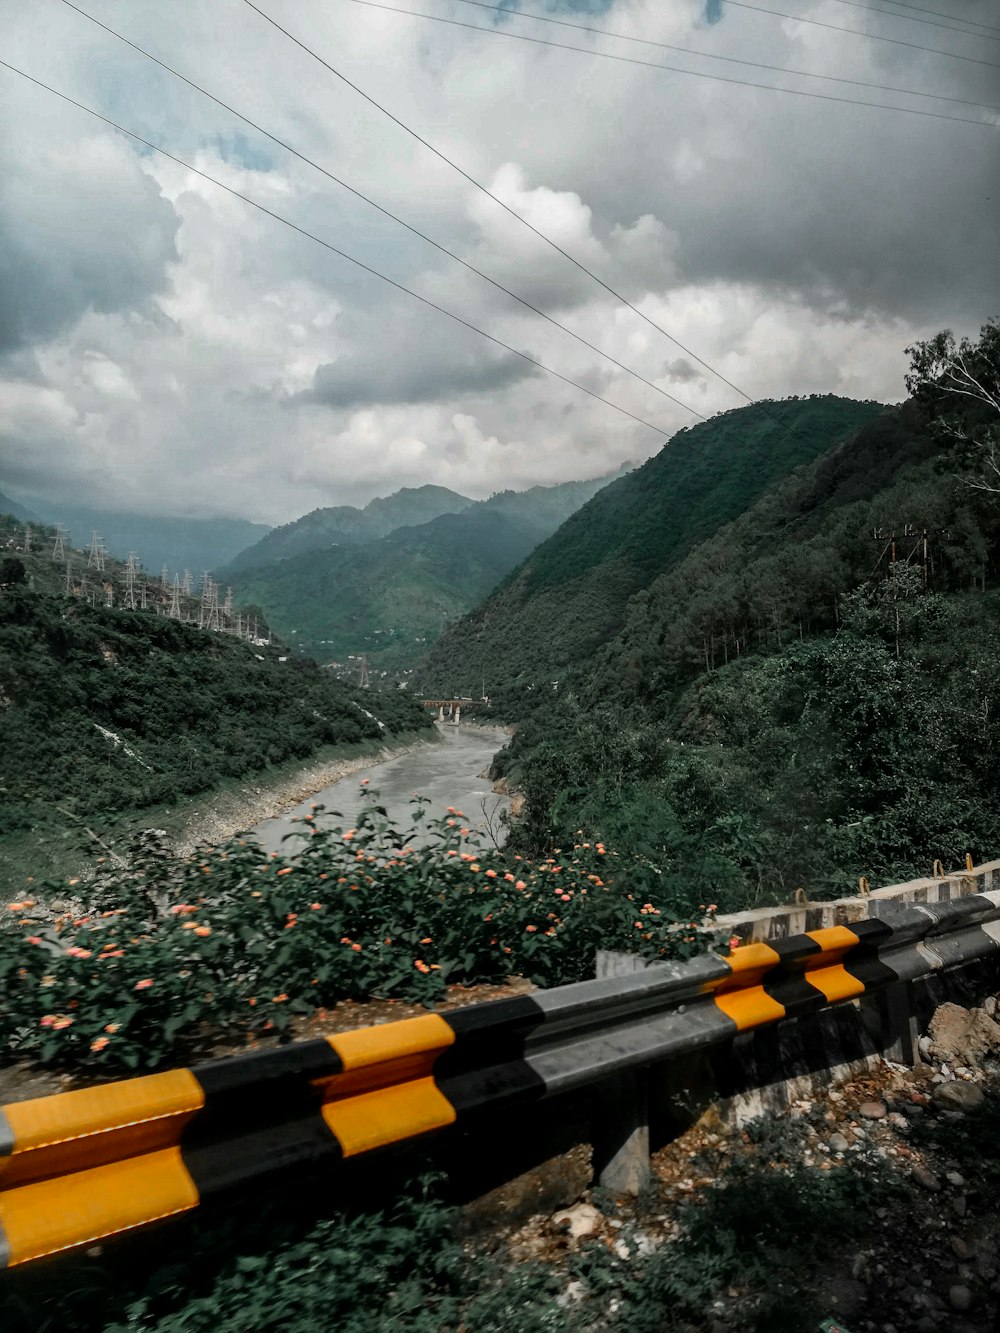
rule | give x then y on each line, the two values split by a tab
391	598
197	544
811	694
107	712
569	596
344	525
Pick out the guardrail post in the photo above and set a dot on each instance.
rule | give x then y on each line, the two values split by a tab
621	1125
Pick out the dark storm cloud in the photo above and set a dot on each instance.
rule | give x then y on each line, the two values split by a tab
79	231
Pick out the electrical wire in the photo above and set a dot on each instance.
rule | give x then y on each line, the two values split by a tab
729	60
677	69
909	18
652	323
902	4
327	245
384	211
872	37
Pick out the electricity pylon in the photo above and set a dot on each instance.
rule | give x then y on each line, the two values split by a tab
95	557
58	549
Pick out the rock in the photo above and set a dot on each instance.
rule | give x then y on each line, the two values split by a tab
959	1205
960	1297
957	1096
573	1294
838	1143
953	1178
925	1178
963	1036
872	1110
900	1121
583	1220
960	1248
927	1325
925	1047
990	1006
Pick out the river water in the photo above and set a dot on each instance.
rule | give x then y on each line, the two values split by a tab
446	773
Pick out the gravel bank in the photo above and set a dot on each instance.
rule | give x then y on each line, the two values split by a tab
225	814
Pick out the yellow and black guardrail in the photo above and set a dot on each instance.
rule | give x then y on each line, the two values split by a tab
78	1167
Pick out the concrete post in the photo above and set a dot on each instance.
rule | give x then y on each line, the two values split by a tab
458	715
621	1128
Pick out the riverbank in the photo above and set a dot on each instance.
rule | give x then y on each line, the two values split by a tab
234	811
63	849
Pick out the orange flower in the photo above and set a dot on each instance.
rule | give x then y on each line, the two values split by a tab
426	940
356	948
144	984
99	1043
491	874
112	1027
286	871
279	999
203	930
531	929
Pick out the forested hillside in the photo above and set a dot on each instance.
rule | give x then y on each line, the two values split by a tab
569	596
343	525
392	597
105	711
813	693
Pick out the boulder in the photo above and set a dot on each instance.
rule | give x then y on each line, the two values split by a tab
962	1036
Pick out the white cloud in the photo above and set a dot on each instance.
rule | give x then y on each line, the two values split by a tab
171	349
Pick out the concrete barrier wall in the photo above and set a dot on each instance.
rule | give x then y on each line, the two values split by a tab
778	923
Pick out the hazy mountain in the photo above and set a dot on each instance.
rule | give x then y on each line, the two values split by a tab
9	506
179	543
342	525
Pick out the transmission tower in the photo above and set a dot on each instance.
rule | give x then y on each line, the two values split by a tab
58	549
69	577
27	538
186	583
109	594
142	595
175	600
364	672
227	605
164	579
130	573
95	557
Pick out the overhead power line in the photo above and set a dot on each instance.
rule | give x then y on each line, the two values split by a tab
891	13
384	211
652	323
910	18
709	55
676	69
327	245
871	36
902	4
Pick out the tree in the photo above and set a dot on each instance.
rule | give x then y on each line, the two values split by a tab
960	383
12	572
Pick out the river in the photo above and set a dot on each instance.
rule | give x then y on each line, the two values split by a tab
447	773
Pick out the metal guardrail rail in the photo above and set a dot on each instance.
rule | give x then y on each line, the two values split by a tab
78	1167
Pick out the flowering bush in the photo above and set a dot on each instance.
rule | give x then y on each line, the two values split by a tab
233	942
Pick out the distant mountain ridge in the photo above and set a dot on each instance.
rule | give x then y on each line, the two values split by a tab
179	543
569	596
342	525
391	597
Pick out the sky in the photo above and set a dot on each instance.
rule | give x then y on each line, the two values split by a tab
166	348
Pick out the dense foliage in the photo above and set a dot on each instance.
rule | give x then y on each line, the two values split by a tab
812	694
233	941
570	595
106	710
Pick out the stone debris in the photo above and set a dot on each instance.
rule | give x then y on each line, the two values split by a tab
583	1220
873	1110
958	1096
925	1261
